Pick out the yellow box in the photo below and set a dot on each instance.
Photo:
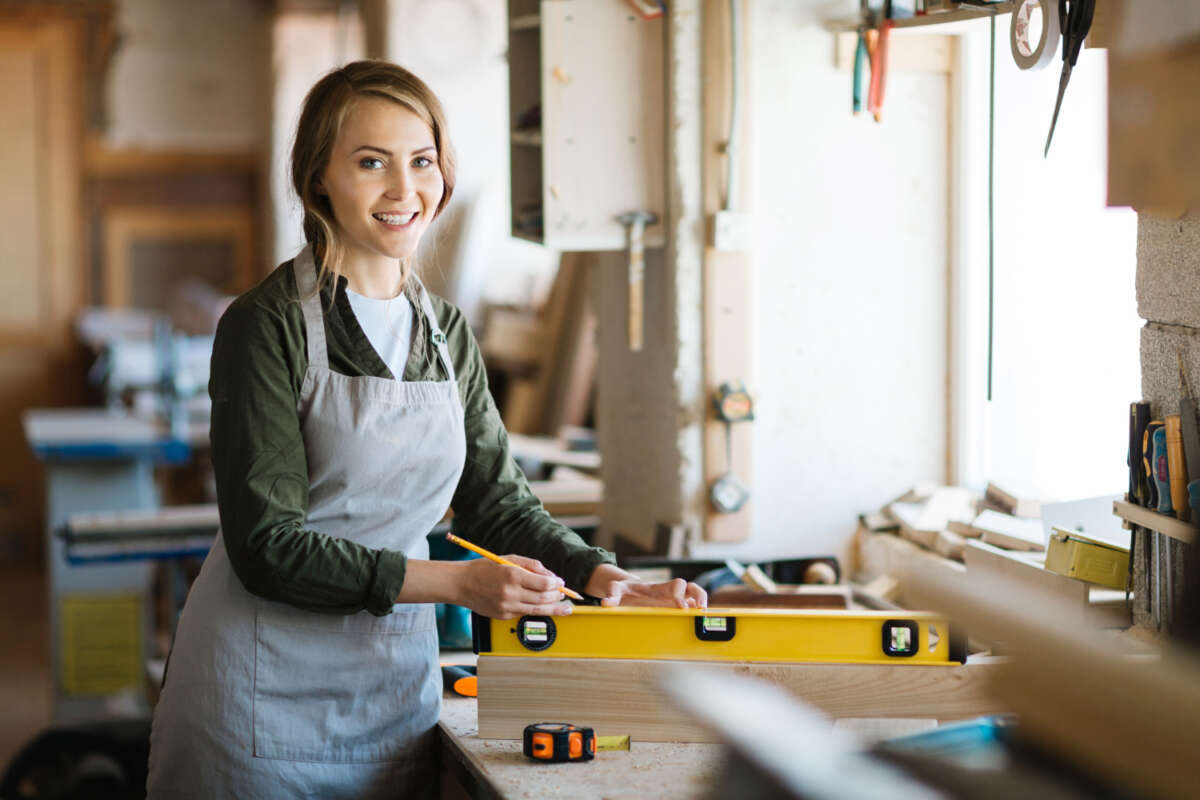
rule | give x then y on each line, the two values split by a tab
1072	554
101	643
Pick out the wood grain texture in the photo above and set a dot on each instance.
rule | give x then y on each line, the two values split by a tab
1160	523
985	560
728	281
1119	716
618	696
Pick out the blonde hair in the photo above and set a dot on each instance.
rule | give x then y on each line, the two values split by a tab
326	107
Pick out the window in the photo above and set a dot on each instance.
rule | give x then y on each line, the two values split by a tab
1066	359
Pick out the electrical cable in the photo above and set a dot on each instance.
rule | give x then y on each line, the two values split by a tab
991	206
735	36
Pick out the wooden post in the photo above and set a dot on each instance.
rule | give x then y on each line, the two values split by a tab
728	284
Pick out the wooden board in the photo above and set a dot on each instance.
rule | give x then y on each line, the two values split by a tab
624	697
1012	533
885	554
963	529
43	279
1153	115
1160	523
950	545
1092	607
728	276
784	597
1120	717
984	560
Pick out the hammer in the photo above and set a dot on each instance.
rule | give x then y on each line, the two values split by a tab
635	223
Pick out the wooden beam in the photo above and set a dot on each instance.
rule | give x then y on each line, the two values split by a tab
728	283
1117	715
624	696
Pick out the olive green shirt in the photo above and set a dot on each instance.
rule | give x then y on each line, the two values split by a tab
258	365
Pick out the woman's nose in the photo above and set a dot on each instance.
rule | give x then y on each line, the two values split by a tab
399	186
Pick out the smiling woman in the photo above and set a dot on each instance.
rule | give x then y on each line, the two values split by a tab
371	141
305	662
384	194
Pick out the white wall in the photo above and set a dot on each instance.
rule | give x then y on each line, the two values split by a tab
188	75
850	260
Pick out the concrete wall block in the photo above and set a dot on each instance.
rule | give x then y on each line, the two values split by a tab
1161	347
1168	271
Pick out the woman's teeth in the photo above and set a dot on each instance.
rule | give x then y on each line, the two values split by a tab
395	219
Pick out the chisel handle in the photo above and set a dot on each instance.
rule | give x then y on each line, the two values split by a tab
1162	472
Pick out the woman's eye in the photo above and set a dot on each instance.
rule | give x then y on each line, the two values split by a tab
371	163
422	161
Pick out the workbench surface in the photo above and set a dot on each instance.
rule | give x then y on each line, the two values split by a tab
496	768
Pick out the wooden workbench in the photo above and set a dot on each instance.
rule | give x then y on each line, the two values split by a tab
496	768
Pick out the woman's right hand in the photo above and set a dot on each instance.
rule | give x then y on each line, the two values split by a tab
503	592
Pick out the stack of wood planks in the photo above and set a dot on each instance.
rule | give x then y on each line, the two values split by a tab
951	532
546	359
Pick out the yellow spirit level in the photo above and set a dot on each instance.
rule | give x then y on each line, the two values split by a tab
730	634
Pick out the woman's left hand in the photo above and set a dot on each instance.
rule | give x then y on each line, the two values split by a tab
616	587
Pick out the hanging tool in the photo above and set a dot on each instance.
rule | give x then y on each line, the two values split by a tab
861	59
635	223
1075	20
1162	471
879	63
862	55
556	742
733	404
649	9
1190	422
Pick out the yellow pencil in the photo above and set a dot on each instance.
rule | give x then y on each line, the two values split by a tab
474	548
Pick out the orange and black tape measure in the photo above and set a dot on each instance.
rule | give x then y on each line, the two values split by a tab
559	741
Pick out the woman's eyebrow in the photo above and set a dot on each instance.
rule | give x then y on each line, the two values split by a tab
389	152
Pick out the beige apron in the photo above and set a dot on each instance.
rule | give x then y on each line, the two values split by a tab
266	700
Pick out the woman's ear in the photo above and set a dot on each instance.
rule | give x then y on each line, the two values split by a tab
319	187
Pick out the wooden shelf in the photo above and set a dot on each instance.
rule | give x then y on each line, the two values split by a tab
1160	523
525	22
966	13
528	138
529	237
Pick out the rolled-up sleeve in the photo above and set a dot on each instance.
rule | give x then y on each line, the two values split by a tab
493	505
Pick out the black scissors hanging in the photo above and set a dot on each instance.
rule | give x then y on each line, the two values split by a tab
1075	20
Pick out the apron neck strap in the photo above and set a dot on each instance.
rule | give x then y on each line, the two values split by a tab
305	270
435	329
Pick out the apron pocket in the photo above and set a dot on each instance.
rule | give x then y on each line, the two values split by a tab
343	696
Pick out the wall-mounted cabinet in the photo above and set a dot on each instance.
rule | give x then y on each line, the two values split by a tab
587	113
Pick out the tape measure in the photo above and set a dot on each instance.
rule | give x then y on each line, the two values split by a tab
558	742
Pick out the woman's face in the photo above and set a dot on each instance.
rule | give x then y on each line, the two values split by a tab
383	181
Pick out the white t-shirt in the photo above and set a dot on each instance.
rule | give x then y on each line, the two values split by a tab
388	326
